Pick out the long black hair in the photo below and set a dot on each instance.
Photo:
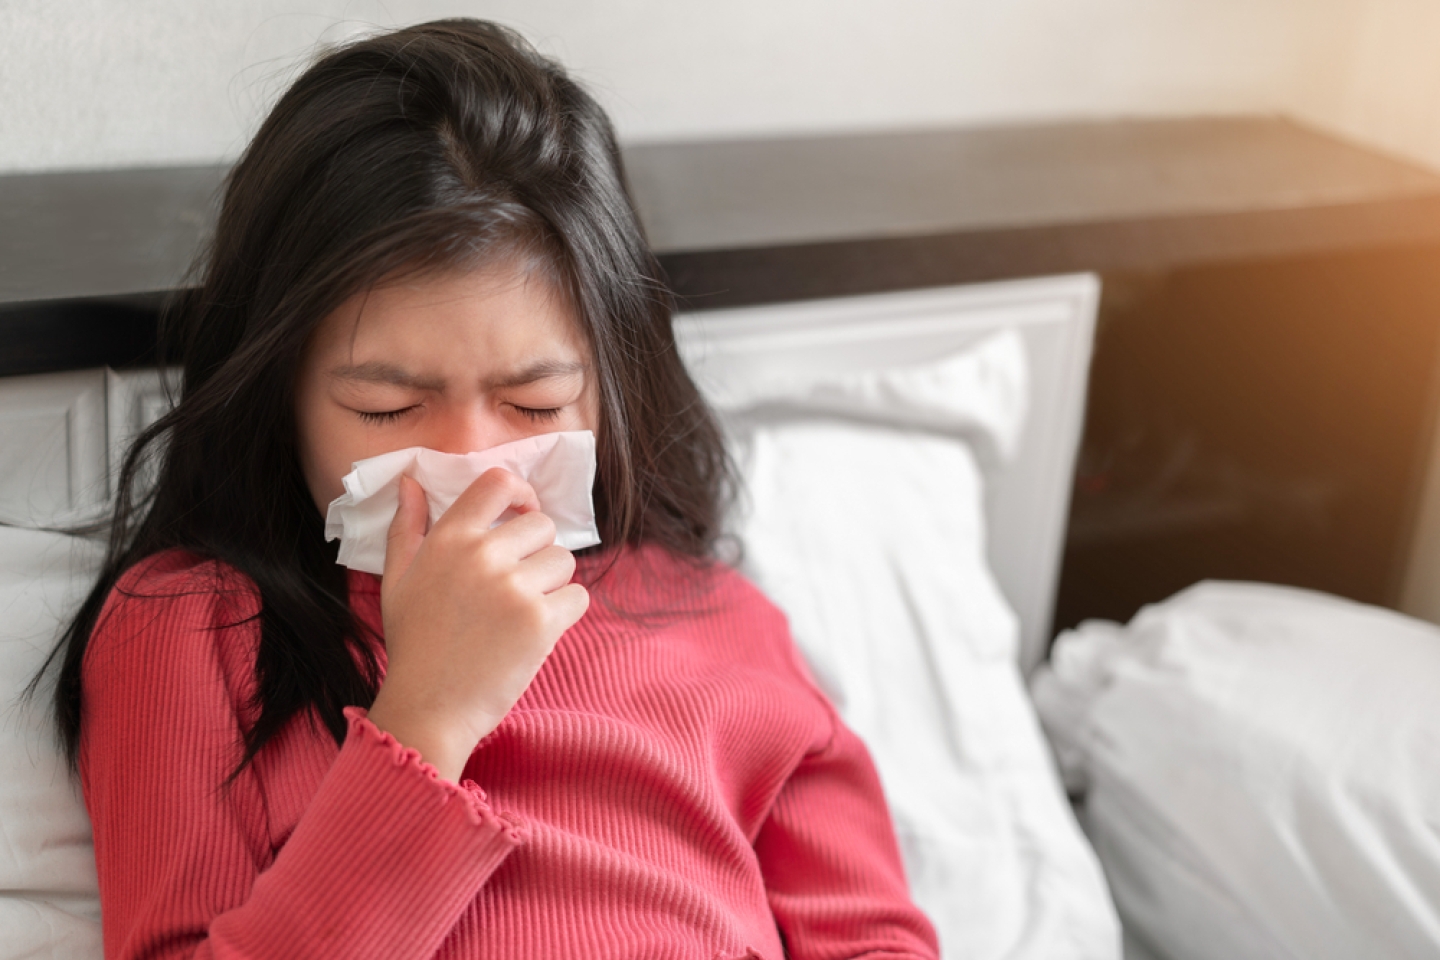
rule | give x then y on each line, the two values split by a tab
439	146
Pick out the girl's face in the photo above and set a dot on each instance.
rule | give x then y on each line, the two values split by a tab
456	362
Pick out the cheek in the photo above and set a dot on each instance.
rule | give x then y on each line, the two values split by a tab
322	447
592	420
590	408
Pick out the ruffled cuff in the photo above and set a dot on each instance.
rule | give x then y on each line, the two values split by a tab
386	859
468	793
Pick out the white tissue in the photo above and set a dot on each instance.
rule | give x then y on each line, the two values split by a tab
560	466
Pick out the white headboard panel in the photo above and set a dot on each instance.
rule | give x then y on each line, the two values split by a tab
63	436
52	447
1028	496
134	399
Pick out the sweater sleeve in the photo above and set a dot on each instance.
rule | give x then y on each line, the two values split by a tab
381	864
832	867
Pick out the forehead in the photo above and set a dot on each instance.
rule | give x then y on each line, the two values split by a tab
493	315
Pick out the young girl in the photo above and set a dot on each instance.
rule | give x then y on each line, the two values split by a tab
429	244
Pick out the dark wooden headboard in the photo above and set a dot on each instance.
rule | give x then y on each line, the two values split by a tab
86	257
50	335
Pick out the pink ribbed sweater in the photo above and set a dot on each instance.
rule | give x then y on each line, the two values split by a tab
670	786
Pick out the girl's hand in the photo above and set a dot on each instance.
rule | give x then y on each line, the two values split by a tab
470	614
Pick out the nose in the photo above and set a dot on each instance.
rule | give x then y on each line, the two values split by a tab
467	429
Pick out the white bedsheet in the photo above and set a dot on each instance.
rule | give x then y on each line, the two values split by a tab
49	899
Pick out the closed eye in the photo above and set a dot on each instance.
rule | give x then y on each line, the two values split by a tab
539	414
383	416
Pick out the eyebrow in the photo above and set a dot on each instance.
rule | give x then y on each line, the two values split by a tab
539	370
379	371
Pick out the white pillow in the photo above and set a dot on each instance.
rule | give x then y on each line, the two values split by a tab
978	393
1263	772
872	540
49	902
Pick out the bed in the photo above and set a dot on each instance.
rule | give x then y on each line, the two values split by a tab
908	460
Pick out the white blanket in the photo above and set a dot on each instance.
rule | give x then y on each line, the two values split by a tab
1262	767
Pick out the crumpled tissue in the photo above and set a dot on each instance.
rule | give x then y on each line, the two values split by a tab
560	466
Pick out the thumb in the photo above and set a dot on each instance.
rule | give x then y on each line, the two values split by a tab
407	530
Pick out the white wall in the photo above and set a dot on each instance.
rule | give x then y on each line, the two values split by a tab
1390	98
99	83
1387	81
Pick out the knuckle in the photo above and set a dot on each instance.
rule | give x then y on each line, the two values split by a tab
566	561
488	557
444	537
510	582
502	479
532	620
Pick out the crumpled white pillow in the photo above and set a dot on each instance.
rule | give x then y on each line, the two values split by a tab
1262	767
49	900
979	393
863	519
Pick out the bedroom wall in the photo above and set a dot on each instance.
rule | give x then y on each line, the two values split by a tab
1384	88
94	83
1387	94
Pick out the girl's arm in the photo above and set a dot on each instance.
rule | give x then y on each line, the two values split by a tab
831	864
381	864
388	852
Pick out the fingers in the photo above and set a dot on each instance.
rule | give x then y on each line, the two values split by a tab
467	526
524	535
546	570
407	529
567	605
493	492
